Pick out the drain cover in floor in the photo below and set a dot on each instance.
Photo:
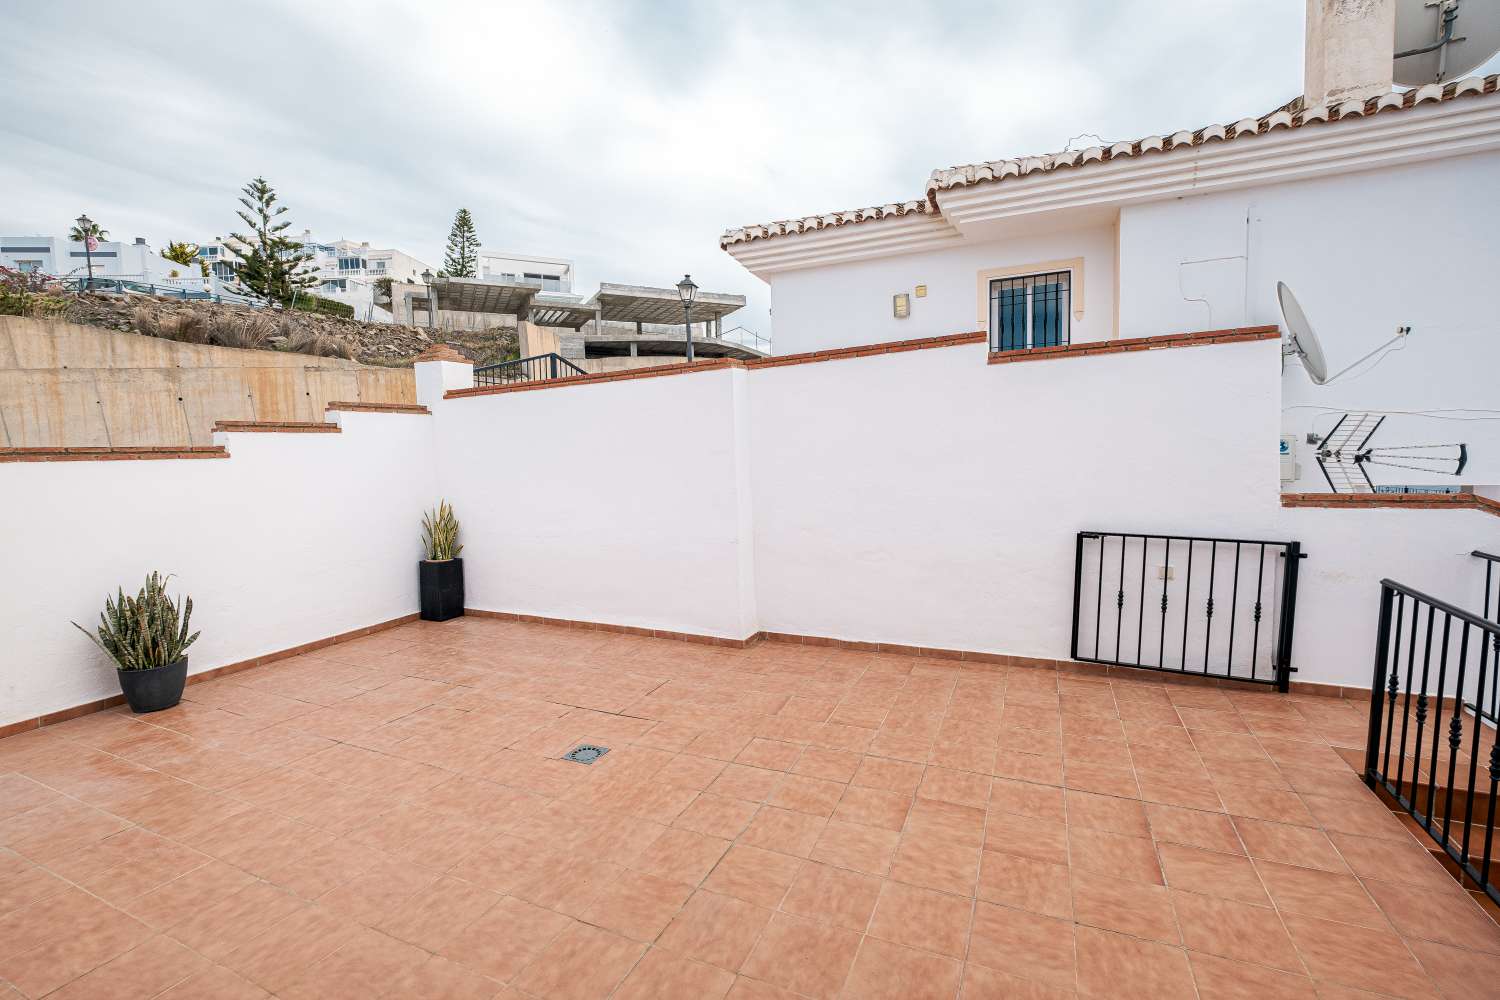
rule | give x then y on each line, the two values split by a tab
586	754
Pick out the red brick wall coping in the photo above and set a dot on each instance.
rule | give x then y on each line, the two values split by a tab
1234	335
715	364
1415	501
869	350
1228	336
352	407
108	454
442	352
63	715
275	427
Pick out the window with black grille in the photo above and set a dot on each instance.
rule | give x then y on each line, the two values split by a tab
1031	310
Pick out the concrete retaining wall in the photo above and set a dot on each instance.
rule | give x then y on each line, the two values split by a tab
66	385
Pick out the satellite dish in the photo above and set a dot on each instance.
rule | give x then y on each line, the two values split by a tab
1439	40
1301	341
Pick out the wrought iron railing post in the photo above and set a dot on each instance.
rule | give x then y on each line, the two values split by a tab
1288	617
1077	588
1377	686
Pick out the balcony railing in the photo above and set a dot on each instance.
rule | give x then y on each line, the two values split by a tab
1432	743
534	369
747	338
139	286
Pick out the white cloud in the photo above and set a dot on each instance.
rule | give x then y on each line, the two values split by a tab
628	136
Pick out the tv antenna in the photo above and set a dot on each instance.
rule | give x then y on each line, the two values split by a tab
1439	40
1301	342
1345	455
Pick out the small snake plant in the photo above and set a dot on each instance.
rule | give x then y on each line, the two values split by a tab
144	631
440	533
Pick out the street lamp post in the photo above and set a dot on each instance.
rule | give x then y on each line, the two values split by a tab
85	229
687	292
431	298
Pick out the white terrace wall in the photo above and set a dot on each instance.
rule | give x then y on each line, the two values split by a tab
930	499
623	502
293	538
1351	551
922	498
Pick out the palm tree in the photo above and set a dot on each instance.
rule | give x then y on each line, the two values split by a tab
77	235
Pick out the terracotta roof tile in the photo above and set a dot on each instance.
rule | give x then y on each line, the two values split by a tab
789	227
1290	116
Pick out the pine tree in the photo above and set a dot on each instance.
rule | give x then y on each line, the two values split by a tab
271	266
462	259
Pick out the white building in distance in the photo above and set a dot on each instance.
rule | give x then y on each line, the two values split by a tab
554	274
346	270
60	257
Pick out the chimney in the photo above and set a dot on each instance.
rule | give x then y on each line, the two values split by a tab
140	241
1349	48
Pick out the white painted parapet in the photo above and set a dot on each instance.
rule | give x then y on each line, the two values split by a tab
439	369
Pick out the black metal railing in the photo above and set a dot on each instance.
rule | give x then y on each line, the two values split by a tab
1431	747
1490	611
1033	310
1211	607
534	369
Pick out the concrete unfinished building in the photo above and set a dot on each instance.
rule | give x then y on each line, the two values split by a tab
618	327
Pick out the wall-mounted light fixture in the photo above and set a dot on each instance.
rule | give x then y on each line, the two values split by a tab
901	305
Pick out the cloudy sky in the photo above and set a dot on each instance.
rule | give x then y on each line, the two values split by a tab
627	136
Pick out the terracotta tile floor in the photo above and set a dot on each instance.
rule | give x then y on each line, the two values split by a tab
390	817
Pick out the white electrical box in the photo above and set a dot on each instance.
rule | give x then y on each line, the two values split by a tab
1288	458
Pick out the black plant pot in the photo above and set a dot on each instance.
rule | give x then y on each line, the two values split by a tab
442	589
155	688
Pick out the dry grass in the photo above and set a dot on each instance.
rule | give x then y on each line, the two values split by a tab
318	344
249	332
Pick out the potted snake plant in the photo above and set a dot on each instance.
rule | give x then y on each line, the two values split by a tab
441	572
147	637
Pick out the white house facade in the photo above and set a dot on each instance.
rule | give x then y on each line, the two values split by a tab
1377	210
60	257
554	274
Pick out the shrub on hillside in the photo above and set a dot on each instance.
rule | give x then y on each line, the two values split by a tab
29	293
328	307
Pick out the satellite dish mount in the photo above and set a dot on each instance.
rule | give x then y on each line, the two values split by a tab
1302	343
1438	40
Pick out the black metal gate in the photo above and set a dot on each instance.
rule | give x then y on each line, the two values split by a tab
1210	607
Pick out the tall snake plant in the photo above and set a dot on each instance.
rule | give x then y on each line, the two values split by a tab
144	631
440	533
